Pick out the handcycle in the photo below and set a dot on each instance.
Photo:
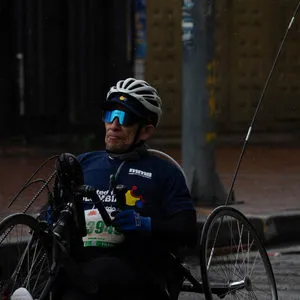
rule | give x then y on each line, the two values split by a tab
232	260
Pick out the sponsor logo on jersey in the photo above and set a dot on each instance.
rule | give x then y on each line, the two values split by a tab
109	200
140	173
92	213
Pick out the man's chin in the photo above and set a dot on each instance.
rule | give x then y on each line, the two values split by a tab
116	149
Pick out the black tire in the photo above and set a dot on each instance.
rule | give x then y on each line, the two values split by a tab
25	256
233	259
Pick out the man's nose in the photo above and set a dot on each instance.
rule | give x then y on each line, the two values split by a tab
115	122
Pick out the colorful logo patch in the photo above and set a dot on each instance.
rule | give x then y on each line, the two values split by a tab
132	199
122	98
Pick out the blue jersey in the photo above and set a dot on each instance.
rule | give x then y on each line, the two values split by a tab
155	186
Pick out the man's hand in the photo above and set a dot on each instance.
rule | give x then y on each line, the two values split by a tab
130	220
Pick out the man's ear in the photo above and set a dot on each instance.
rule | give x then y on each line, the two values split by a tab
146	132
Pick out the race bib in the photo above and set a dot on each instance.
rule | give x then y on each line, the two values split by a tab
98	234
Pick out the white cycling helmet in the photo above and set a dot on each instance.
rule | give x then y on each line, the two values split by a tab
137	96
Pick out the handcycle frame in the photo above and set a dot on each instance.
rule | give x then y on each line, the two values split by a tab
58	238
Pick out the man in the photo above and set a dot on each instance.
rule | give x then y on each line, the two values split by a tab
158	216
131	259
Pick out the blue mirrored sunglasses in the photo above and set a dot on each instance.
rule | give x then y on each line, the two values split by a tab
125	118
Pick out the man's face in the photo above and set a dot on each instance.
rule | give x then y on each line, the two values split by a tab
119	138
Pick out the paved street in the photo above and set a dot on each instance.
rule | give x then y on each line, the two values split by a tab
286	266
287	271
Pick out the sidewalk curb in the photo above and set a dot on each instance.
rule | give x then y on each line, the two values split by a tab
281	228
273	229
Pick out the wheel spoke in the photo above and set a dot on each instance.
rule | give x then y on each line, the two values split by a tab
24	257
236	265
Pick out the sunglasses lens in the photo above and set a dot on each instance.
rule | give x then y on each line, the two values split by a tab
124	118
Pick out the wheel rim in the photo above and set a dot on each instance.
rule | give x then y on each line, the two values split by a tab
23	260
237	264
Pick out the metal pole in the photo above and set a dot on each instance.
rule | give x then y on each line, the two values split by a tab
198	111
20	55
40	59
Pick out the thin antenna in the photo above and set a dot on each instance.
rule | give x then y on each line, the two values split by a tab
259	103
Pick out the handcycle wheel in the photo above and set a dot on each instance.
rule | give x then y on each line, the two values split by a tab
234	264
24	256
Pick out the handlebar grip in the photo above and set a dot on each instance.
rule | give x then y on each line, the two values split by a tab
63	221
80	217
91	192
120	192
